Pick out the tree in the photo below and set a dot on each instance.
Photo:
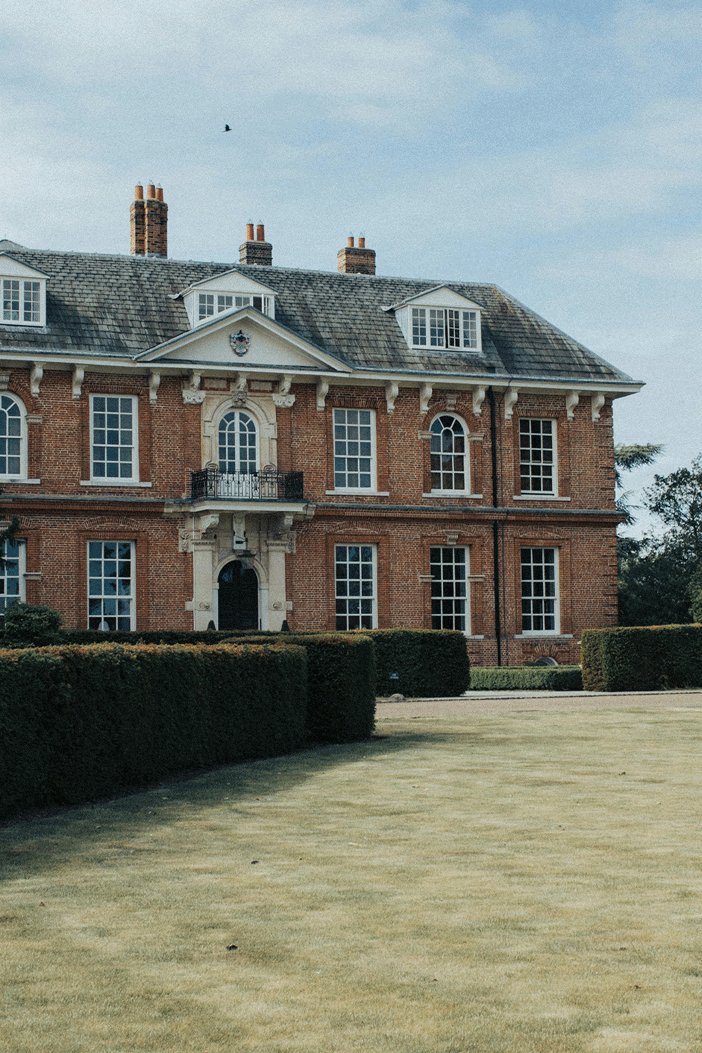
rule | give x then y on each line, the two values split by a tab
659	576
677	500
626	458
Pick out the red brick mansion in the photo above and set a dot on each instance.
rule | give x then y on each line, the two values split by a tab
241	444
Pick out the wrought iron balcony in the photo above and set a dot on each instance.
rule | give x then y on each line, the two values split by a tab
246	486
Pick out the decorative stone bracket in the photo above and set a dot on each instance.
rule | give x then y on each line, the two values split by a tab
597	402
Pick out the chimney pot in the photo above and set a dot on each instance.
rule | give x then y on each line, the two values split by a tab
151	192
138	192
356	261
259	252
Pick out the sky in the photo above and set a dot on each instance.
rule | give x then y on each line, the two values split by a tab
552	148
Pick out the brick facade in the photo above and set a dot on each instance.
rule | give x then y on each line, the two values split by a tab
296	364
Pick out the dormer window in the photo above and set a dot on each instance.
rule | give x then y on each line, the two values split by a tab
22	293
212	303
444	327
230	291
439	319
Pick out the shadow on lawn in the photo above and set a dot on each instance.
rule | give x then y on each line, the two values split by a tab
46	839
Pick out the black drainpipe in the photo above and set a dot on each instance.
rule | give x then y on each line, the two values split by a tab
495	528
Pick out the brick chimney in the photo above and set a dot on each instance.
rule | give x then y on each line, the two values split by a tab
356	261
149	222
258	252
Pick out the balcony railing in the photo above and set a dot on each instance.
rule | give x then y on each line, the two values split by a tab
246	486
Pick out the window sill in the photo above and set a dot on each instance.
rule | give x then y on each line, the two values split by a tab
5	481
454	493
538	497
357	493
552	635
116	482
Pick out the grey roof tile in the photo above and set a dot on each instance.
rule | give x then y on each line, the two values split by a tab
124	305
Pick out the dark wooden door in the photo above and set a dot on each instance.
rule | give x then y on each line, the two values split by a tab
238	597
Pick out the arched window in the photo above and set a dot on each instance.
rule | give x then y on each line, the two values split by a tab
449	464
238	443
12	446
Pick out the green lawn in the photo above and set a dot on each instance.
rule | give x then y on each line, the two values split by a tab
530	882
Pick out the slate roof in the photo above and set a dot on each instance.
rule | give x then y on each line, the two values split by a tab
123	305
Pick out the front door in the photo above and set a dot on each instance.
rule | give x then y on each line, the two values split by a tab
238	597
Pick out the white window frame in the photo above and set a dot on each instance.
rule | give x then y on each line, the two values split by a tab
445	328
13	571
96	463
450	589
356	594
249	464
212	302
354	454
435	450
540	590
534	463
23	305
104	596
7	398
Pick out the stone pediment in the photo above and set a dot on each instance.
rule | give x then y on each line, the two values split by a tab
243	339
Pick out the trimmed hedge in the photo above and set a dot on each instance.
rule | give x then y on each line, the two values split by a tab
340	683
78	723
429	663
648	658
526	678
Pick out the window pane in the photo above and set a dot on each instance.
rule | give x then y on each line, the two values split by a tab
355	586
537	456
12	573
353	449
107	560
539	590
113	437
449	588
448	457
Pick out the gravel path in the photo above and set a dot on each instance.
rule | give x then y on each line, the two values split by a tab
485	702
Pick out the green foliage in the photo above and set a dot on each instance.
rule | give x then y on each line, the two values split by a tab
526	678
695	591
656	572
642	659
654	583
340	684
626	458
77	723
677	500
155	636
429	663
26	625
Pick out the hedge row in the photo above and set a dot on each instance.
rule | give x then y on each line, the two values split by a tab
649	658
340	683
78	723
425	663
526	678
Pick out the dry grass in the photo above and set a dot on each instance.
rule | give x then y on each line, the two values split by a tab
524	883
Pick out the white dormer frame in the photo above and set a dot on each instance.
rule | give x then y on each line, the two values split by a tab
440	319
22	294
227	292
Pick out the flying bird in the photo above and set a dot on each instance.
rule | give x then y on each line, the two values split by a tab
227	128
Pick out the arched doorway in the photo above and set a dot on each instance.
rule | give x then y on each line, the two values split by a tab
238	597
